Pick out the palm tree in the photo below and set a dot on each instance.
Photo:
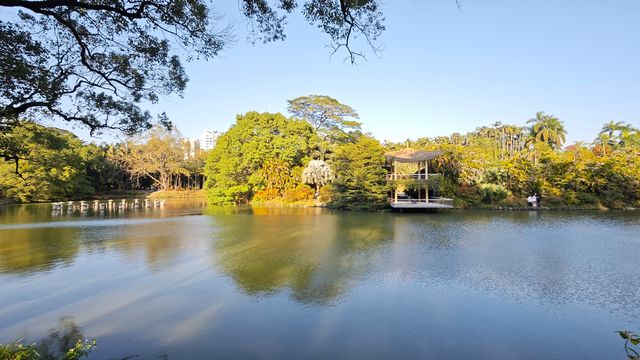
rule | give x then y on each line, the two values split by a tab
611	127
548	129
603	140
628	135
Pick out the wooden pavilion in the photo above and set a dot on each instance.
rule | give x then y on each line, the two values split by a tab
410	169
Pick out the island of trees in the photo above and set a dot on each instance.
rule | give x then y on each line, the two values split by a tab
320	156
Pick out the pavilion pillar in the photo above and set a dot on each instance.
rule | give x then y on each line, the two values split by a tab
426	177
395	178
395	167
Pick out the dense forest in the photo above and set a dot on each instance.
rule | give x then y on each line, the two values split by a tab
321	156
55	165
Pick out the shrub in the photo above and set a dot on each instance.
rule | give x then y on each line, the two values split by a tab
467	196
587	199
570	197
492	193
325	194
265	195
300	193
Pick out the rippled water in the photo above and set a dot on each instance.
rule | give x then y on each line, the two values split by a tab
190	282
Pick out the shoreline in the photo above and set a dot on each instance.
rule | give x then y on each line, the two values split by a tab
201	194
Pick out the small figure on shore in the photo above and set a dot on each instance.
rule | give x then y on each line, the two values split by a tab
530	201
538	199
535	200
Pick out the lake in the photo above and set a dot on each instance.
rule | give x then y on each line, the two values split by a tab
189	282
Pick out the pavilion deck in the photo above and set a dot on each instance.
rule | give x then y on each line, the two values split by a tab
433	203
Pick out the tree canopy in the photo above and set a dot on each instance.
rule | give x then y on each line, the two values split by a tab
360	175
548	129
330	119
158	154
258	152
269	158
95	61
55	169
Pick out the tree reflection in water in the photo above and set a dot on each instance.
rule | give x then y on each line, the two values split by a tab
28	251
317	259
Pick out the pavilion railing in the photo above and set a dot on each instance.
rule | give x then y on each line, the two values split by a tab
407	200
409	176
434	200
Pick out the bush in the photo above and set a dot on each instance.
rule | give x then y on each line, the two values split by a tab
570	197
325	194
467	196
492	193
265	195
300	193
587	199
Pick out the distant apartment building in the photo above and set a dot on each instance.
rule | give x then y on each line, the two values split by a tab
206	142
208	139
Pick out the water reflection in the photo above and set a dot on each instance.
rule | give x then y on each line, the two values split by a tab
32	240
26	251
316	258
270	282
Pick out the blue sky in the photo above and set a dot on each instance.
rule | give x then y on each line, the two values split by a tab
443	69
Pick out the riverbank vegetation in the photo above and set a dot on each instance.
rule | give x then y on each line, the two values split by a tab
64	342
320	156
56	165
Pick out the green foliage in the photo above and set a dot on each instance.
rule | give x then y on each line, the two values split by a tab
275	174
63	343
492	193
239	165
360	182
94	63
263	156
52	164
529	160
330	119
80	350
18	351
548	129
158	154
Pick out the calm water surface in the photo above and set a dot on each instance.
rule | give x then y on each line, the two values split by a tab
191	282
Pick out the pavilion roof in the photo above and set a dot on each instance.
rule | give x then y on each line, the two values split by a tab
411	155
